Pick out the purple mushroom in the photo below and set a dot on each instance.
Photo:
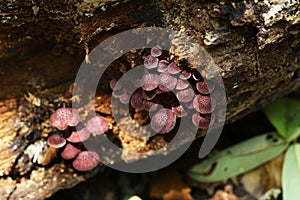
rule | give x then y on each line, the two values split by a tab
64	117
70	152
79	136
97	125
56	141
204	104
185	95
163	121
150	62
156	51
86	160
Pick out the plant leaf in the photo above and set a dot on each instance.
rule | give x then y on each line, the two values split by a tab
291	173
239	158
284	115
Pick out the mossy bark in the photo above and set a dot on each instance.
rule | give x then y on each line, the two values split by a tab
256	45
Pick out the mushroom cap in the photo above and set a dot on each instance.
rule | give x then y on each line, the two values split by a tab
64	117
204	104
149	81
97	125
70	152
202	87
56	141
86	160
185	95
173	68
182	84
163	121
150	62
202	121
149	105
114	85
136	100
167	82
162	66
79	136
156	51
184	75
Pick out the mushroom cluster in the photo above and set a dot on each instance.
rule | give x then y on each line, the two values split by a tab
65	120
180	89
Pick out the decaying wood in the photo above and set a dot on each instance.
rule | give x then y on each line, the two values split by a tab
256	45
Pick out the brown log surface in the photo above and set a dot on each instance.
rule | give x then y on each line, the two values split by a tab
42	44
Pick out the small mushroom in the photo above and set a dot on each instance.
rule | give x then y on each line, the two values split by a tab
167	82
70	152
97	125
202	87
86	160
204	104
184	75
136	100
149	105
162	66
202	121
163	121
182	84
79	136
173	68
56	141
185	95
149	81
150	62
64	117
114	85
156	51
179	111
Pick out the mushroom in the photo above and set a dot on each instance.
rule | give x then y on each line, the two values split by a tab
202	121
79	136
162	66
163	121
64	117
56	141
149	81
184	75
136	100
150	62
179	111
185	95
86	160
181	84
167	82
204	104
156	51
173	68
70	152
202	87
97	125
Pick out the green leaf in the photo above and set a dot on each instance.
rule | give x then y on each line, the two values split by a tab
284	115
291	173
239	158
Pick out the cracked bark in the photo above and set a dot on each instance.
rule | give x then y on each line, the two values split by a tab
255	44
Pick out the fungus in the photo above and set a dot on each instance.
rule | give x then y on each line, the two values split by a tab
202	87
173	68
184	75
202	121
167	82
70	152
79	136
203	104
185	95
97	125
64	117
56	141
149	81
163	121
156	51
181	84
162	66
86	160
114	85
137	100
150	62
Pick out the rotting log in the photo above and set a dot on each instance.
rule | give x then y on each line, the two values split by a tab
256	45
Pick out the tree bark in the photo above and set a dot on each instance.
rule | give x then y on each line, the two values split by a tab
256	45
